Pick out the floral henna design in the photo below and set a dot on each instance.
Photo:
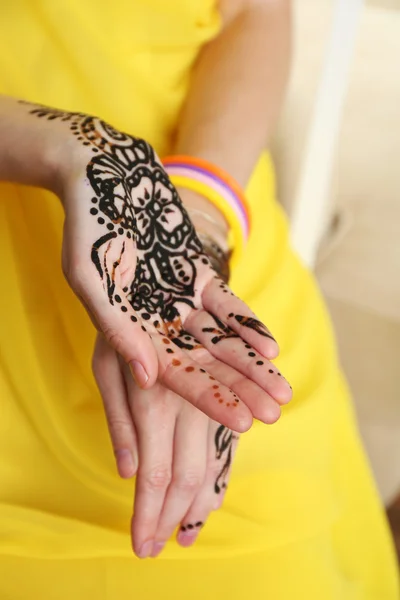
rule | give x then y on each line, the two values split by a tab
166	243
134	200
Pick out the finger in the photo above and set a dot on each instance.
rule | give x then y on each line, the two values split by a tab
219	300
110	381
222	444
187	378
189	468
225	443
262	405
226	345
155	421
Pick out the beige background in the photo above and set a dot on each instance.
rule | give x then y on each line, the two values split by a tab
359	262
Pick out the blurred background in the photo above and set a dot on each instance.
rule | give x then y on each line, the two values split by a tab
357	259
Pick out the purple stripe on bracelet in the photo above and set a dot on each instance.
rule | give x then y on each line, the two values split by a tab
237	202
204	178
214	178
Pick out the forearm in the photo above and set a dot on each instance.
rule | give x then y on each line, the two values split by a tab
236	92
30	149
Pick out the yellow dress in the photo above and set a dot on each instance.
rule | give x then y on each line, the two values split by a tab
302	518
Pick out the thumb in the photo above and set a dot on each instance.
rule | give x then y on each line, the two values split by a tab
121	326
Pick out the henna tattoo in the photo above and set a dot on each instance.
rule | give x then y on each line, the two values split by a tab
223	451
223	332
218	258
180	337
220	332
254	324
134	200
191	526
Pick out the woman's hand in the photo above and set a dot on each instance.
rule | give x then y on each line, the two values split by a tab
182	457
132	256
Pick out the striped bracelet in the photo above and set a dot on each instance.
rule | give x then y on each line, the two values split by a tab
219	188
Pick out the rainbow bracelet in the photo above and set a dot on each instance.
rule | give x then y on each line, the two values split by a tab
219	188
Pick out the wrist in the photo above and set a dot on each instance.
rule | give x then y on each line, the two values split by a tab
192	200
62	159
219	257
205	217
31	150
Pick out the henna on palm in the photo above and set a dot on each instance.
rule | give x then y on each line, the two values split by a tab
134	199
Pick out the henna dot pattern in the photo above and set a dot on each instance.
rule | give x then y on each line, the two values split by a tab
191	526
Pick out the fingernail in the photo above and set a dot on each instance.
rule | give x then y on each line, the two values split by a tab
157	548
186	538
138	373
146	549
126	463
